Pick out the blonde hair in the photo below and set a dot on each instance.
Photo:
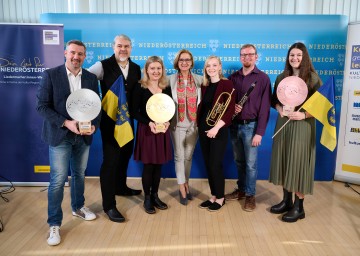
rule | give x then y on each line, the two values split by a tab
163	83
206	76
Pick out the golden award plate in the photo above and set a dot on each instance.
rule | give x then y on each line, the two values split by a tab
291	92
83	105
160	108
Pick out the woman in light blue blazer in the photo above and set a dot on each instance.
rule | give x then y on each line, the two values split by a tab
185	87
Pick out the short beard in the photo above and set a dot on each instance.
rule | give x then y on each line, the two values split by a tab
123	59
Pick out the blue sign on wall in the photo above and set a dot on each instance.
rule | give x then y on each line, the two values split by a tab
221	35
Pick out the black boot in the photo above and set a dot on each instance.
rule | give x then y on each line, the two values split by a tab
297	212
285	205
155	200
148	205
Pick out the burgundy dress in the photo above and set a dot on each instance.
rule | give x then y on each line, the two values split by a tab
150	148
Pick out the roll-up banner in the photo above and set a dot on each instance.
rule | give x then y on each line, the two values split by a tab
348	157
26	50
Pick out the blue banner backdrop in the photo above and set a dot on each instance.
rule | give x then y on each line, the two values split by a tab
221	35
25	52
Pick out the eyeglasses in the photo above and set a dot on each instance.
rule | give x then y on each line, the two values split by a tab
184	60
244	55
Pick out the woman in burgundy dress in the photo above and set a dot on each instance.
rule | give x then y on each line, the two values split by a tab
152	147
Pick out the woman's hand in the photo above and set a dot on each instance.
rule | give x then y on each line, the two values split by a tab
297	115
152	127
212	132
280	110
167	124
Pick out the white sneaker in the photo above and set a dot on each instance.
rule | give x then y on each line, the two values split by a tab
84	213
54	236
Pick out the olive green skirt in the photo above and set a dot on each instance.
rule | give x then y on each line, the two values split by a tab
293	155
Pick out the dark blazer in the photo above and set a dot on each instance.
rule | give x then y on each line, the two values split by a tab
52	94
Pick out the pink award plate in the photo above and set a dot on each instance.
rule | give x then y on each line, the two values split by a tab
292	91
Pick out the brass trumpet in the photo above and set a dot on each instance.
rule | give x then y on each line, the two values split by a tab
219	109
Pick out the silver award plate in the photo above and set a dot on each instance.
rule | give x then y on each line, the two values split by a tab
83	105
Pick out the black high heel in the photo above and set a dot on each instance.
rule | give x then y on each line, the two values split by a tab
189	196
183	200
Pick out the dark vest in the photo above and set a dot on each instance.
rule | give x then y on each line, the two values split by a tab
111	72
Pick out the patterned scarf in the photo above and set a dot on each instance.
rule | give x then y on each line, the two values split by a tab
186	97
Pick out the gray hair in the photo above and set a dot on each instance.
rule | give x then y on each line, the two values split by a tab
122	36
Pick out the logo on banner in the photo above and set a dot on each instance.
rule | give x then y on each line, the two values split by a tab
133	43
213	44
51	37
259	59
355	57
171	57
355	130
341	59
339	85
356	105
89	56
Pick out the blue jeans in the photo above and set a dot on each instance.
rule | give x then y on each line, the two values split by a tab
74	153
245	156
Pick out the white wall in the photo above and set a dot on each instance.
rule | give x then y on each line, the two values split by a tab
28	11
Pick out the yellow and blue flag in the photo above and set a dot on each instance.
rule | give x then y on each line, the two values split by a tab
115	105
321	106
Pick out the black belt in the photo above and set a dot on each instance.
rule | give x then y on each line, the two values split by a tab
245	121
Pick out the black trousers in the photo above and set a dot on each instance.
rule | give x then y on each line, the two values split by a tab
213	150
113	172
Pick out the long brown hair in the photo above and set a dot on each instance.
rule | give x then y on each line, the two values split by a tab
306	66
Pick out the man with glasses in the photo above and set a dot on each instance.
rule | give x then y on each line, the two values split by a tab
249	123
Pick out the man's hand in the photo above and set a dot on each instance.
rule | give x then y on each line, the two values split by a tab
256	141
72	126
238	109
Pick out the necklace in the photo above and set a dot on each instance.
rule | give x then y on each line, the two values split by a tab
123	67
